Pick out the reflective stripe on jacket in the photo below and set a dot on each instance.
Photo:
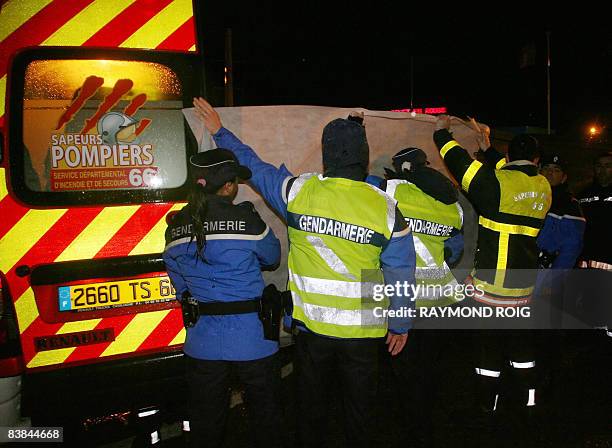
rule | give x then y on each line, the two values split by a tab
512	203
431	223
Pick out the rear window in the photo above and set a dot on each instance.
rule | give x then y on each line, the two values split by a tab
102	125
104	129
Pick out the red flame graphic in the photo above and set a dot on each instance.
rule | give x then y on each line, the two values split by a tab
89	88
142	126
136	103
121	87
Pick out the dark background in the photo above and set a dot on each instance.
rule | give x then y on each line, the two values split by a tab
347	55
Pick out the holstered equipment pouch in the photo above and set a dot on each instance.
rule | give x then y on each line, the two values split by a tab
191	312
270	314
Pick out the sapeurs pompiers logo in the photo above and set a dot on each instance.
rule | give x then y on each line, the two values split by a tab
110	157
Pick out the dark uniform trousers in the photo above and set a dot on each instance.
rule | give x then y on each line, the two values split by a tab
351	365
503	353
418	369
209	385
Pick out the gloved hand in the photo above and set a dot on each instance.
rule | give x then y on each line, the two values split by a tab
443	122
356	117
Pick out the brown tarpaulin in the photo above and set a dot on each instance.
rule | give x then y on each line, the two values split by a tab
292	135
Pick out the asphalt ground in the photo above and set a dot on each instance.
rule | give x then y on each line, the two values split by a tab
574	404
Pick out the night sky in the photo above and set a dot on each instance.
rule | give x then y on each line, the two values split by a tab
352	57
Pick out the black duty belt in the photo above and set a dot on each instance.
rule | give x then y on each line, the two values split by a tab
223	308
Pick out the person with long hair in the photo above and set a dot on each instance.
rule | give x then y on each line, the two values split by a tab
215	251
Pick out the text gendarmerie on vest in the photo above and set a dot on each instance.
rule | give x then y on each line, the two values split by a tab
428	227
327	226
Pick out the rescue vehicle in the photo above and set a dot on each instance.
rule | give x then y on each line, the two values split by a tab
94	157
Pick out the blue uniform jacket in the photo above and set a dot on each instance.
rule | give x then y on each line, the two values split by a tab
238	245
560	243
398	259
563	230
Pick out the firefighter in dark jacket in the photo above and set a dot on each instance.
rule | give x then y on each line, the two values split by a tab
560	240
512	203
215	251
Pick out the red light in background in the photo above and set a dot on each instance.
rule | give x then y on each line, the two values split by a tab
426	110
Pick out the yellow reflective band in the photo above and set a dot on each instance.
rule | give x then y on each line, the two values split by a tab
193	48
87	22
135	333
26	310
180	337
25	234
448	147
508	228
3	188
97	233
502	259
154	241
156	30
84	325
17	12
50	357
469	175
499	164
60	355
500	291
2	94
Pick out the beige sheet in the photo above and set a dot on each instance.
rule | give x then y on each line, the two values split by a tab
292	135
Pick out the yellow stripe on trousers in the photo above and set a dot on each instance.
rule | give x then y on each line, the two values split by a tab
154	242
97	233
87	22
59	356
15	13
25	234
135	333
156	30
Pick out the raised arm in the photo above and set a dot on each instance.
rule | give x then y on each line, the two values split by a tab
475	178
269	181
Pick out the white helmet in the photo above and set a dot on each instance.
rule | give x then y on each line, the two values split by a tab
111	124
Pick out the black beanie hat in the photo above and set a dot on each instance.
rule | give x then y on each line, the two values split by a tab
344	144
